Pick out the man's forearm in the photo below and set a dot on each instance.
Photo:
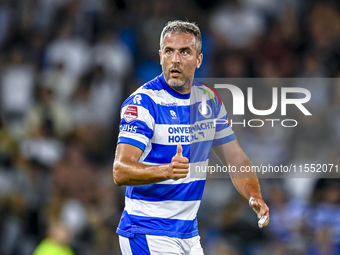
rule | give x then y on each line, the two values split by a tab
246	183
134	173
248	187
128	171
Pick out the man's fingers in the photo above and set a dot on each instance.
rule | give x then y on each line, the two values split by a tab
179	150
253	203
179	176
262	212
264	220
179	166
263	216
183	165
180	173
180	170
180	159
179	155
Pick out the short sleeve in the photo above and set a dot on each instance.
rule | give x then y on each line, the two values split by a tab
223	133
137	120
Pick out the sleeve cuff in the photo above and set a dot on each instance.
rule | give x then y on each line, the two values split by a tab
133	142
224	140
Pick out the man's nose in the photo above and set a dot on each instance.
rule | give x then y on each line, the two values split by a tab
176	57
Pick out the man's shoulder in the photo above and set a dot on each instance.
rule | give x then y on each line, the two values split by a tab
202	88
153	92
149	88
146	95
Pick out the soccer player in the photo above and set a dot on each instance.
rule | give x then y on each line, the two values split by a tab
164	133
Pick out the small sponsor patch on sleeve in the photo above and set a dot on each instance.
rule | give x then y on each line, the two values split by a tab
131	113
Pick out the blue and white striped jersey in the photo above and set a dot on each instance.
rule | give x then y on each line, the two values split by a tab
156	118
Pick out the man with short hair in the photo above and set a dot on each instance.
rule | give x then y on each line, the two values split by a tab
164	133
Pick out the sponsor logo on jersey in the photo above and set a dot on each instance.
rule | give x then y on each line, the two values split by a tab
128	128
173	114
168	104
137	99
131	113
186	134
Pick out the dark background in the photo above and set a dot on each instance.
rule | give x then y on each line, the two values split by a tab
66	66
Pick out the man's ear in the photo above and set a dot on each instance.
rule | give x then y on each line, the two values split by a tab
160	57
199	60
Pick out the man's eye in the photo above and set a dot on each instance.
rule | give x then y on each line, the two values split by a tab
184	52
168	51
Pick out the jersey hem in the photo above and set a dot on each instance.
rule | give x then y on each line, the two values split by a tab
155	232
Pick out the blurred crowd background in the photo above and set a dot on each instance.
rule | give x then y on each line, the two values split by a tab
67	65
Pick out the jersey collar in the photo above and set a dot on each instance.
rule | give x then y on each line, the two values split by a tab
171	91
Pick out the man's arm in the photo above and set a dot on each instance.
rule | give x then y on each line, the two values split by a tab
246	183
127	170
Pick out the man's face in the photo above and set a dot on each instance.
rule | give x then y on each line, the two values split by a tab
179	60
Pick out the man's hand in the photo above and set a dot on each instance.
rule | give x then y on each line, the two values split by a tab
261	209
179	166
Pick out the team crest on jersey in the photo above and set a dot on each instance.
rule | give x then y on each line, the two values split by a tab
131	113
207	112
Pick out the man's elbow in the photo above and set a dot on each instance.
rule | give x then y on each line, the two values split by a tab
118	176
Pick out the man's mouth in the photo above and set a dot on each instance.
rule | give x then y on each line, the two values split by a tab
174	72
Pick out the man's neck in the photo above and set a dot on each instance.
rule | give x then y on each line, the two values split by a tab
184	89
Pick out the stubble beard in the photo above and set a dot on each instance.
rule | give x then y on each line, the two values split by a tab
180	87
179	84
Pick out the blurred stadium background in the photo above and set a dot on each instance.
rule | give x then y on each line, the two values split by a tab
67	65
